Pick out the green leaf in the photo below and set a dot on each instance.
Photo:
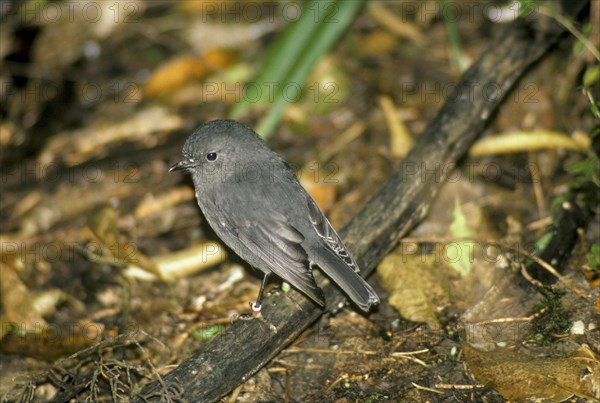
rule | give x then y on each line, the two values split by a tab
208	332
591	75
462	261
593	258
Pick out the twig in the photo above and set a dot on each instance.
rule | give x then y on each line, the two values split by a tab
426	388
454	386
564	21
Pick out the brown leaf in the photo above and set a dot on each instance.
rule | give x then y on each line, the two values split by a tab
17	303
522	377
323	193
176	73
103	224
416	286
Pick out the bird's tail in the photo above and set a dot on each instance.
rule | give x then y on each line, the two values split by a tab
355	287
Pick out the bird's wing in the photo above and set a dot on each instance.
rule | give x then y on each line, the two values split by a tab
277	244
327	233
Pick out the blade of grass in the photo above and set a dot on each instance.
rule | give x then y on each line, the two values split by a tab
320	42
278	62
456	55
295	54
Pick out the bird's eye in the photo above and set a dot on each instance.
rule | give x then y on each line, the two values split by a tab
211	157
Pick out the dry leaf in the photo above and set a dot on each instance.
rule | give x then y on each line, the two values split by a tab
53	341
103	224
416	286
204	35
377	43
167	267
152	204
182	263
177	73
79	146
17	303
323	193
522	377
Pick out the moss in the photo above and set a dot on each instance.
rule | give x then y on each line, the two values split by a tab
551	320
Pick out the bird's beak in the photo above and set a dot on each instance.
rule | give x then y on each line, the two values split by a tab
179	166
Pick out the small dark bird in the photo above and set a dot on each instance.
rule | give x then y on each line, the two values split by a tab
252	199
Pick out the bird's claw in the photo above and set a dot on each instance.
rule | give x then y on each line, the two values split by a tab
255	314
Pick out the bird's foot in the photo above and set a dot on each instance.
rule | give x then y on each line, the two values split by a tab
254	315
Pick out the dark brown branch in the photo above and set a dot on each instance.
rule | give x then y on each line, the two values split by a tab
232	357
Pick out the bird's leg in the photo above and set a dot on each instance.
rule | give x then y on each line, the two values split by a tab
256	307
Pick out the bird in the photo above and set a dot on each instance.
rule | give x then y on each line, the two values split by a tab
255	204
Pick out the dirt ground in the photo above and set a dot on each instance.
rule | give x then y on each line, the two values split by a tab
111	275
